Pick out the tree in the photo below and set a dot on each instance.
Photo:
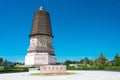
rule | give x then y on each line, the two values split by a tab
101	61
116	60
85	61
67	62
75	62
4	64
91	62
1	60
81	61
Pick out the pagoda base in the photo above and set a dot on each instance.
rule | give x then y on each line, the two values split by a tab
37	59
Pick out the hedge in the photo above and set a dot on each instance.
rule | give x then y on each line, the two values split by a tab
112	68
14	69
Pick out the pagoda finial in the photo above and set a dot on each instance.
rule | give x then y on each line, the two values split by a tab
41	8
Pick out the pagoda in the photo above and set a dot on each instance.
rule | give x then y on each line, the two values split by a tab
40	50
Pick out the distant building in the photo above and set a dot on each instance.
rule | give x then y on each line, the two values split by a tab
75	65
40	51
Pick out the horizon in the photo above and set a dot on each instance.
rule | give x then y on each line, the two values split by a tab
80	28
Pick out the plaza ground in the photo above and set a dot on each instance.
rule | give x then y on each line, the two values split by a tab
80	75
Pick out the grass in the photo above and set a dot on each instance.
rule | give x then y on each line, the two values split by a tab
39	74
13	69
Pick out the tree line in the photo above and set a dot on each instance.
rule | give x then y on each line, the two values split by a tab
100	62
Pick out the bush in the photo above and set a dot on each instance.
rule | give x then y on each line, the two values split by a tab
82	68
113	68
88	68
70	68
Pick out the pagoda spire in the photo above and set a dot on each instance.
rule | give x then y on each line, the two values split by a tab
41	8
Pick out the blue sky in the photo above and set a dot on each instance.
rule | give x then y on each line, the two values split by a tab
82	28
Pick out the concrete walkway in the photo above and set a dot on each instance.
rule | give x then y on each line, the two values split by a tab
81	75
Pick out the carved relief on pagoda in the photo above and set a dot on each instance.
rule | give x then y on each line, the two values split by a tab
33	42
42	41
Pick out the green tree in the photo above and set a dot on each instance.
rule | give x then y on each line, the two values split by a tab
4	64
67	62
91	62
81	61
85	61
116	60
101	61
1	60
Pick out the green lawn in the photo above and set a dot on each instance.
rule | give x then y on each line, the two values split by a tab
38	74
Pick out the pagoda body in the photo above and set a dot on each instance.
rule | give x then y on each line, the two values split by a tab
40	51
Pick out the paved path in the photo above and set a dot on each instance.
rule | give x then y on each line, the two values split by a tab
81	75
